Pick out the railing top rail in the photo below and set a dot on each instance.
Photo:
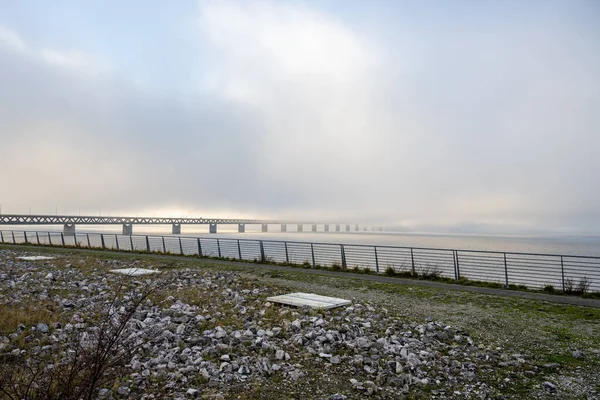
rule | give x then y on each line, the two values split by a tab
340	244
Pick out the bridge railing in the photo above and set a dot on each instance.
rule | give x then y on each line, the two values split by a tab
564	272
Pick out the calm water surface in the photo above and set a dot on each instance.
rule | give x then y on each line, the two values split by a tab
548	244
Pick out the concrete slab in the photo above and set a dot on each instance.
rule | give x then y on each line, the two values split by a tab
134	271
35	258
309	299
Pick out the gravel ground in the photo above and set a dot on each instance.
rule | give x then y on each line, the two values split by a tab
205	331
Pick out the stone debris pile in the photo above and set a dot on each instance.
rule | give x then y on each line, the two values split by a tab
213	333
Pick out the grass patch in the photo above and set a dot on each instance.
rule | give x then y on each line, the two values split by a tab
28	314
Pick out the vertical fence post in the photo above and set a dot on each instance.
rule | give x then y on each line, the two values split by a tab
312	252
343	253
199	248
287	257
75	240
262	251
131	242
147	244
62	239
13	236
239	250
376	260
562	272
455	269
88	240
457	265
117	242
219	247
102	241
25	236
2	236
180	246
412	261
164	247
505	273
49	238
37	237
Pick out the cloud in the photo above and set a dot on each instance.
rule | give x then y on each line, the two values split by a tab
298	113
11	40
77	61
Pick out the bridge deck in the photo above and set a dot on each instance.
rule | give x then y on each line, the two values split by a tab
15	219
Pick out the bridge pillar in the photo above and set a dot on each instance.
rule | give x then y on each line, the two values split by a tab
300	227
176	229
127	229
337	227
69	229
314	227
283	228
356	228
265	228
212	228
326	227
347	227
241	228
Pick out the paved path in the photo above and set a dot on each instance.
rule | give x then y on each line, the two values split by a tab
578	301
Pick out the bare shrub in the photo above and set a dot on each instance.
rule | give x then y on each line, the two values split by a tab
430	272
569	286
86	361
583	286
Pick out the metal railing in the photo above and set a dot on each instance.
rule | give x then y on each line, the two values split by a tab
564	272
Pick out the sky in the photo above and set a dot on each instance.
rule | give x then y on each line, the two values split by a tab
456	116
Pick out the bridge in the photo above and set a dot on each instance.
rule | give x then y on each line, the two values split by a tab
69	222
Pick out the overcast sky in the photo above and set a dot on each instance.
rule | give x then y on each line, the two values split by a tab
465	116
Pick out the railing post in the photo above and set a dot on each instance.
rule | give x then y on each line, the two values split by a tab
37	237
75	239
117	242
505	273
262	251
457	265
102	241
131	242
312	252
219	247
25	236
88	240
180	246
199	248
164	247
1	237
239	250
343	253
376	260
287	257
49	238
62	239
147	244
562	272
454	261
412	261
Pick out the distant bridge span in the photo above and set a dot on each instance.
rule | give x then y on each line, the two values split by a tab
69	222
